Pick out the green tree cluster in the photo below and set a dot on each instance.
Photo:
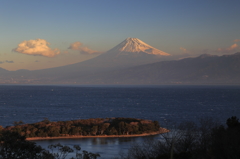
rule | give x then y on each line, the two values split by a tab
85	127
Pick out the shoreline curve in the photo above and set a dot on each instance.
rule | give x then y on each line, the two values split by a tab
161	131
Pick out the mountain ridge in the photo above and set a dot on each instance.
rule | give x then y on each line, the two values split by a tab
112	59
199	70
203	69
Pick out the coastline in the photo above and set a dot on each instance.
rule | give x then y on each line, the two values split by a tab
161	131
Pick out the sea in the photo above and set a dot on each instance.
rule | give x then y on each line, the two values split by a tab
164	103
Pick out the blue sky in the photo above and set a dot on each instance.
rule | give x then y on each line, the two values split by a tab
173	26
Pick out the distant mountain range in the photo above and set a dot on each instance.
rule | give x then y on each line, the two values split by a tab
205	69
135	62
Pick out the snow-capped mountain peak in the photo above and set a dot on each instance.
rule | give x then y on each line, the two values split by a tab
135	45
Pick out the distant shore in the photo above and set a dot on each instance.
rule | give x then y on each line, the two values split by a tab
161	131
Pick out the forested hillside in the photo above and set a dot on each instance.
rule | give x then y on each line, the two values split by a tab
85	127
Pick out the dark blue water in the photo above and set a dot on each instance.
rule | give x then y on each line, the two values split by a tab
162	103
34	103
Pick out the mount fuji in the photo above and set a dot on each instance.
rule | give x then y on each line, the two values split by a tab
136	46
130	52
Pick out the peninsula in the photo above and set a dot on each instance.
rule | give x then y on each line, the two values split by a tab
82	128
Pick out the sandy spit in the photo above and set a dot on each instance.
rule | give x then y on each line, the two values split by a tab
161	131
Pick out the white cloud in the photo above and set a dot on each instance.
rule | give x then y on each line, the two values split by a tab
236	40
83	50
184	50
229	49
38	47
232	47
75	46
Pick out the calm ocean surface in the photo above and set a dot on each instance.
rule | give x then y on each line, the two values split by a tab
162	103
